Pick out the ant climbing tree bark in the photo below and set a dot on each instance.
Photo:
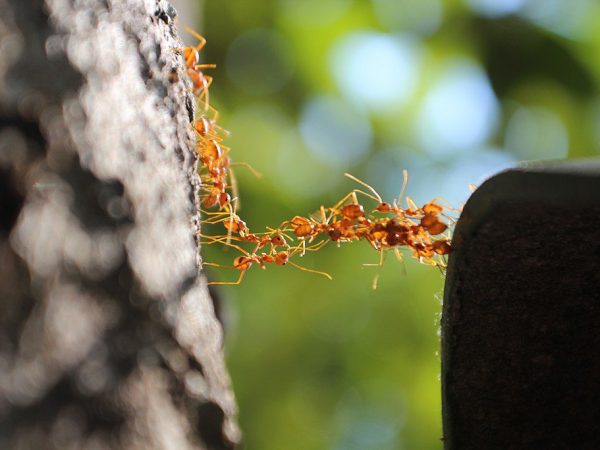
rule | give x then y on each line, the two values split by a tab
108	336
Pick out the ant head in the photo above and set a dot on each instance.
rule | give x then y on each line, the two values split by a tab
242	262
442	247
224	199
384	207
278	240
281	258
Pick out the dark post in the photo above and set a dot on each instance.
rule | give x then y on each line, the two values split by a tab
520	338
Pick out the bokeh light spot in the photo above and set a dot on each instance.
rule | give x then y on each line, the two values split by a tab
313	12
301	173
428	178
422	17
375	69
496	8
459	112
335	132
536	133
260	62
265	137
472	168
561	17
364	427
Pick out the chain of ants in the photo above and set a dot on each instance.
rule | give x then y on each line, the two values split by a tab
386	227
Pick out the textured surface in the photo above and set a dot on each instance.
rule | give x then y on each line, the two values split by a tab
522	304
108	338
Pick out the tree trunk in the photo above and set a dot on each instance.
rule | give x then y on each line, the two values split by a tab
108	337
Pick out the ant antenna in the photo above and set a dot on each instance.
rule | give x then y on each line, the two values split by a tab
404	183
306	269
239	280
202	41
353	178
254	172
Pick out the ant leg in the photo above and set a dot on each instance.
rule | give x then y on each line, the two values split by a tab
204	263
305	269
377	199
318	246
230	283
375	281
215	115
213	222
446	203
324	218
298	249
231	220
377	264
398	255
369	187
206	82
201	40
380	265
255	172
376	277
335	208
220	241
223	216
442	267
404	183
213	213
287	235
400	259
411	204
234	191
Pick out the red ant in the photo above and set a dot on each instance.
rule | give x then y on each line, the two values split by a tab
280	258
191	56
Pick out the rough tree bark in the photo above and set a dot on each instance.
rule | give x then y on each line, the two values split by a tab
108	337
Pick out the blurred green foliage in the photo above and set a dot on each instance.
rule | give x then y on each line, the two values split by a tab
452	90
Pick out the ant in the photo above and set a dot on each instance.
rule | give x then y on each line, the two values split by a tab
281	258
191	56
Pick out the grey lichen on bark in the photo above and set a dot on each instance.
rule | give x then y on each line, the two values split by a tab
108	336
